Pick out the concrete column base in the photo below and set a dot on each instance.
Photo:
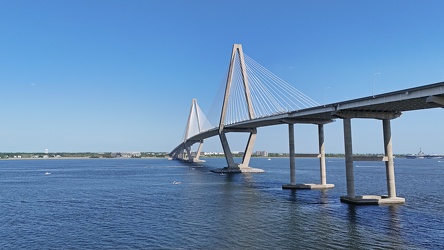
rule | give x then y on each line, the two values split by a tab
232	170
372	200
198	160
308	186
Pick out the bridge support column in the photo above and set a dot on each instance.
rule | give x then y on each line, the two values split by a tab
323	173
322	166
248	150
227	150
293	184
235	167
370	199
196	157
190	157
181	154
199	149
390	165
348	147
292	157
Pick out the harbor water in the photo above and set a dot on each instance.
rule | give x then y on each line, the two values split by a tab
161	204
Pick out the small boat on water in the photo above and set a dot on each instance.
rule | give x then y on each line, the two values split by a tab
47	173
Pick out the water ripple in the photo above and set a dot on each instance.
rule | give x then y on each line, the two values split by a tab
133	204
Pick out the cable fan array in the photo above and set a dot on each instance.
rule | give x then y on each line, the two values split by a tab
197	122
270	95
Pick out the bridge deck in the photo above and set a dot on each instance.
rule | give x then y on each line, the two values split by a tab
392	103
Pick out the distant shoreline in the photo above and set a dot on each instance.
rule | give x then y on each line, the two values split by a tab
165	157
74	158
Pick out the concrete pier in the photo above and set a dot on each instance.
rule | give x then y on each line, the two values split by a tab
307	186
373	200
391	198
292	154
390	167
234	170
348	147
322	165
293	184
389	164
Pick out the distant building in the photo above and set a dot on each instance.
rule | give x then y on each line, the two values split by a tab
126	154
212	153
261	153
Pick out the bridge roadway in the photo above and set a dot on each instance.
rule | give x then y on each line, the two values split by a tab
381	106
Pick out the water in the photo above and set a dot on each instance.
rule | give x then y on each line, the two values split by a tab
134	203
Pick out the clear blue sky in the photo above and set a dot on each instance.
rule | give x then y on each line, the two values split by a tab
120	75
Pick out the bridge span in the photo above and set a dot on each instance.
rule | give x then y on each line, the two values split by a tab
384	107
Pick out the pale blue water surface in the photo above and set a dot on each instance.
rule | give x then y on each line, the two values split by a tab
161	204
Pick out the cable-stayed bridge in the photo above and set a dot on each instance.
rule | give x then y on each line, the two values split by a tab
254	97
